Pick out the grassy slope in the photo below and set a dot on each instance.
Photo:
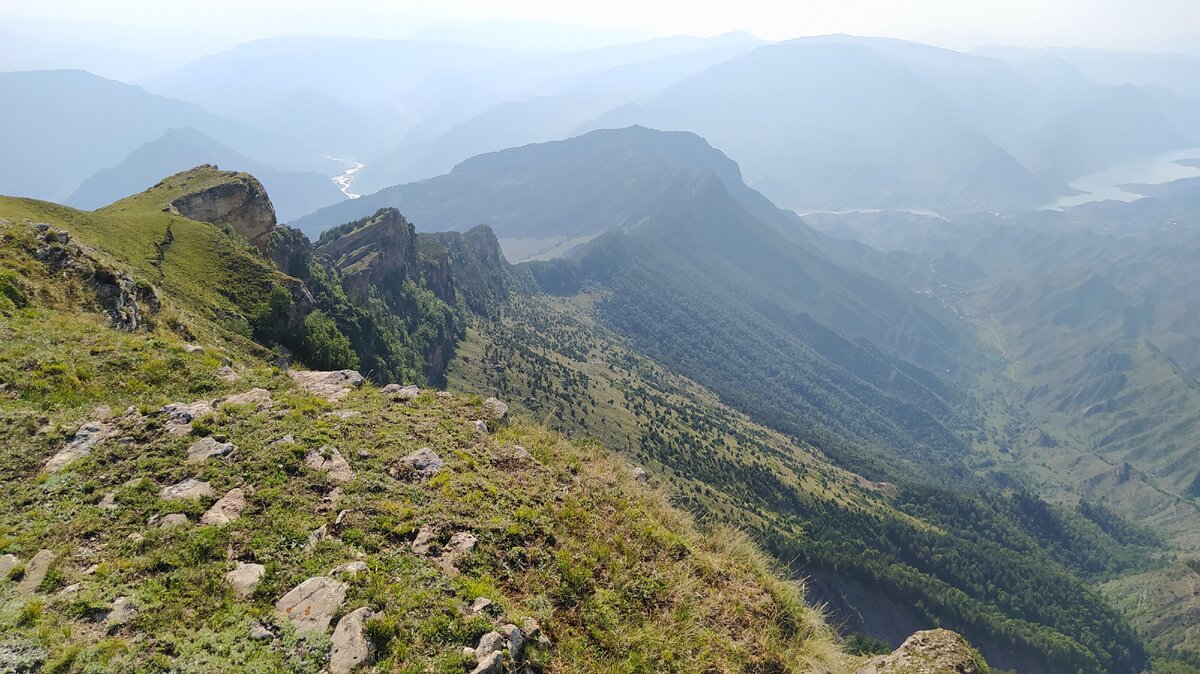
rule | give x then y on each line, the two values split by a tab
619	581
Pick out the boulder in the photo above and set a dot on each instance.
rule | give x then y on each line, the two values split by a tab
228	374
930	652
7	564
188	489
459	546
35	573
424	540
227	509
311	605
259	397
331	385
260	633
520	453
492	642
180	416
639	474
69	591
351	649
173	520
121	612
207	447
80	445
480	605
492	664
245	578
497	410
335	467
398	392
350	568
425	462
514	638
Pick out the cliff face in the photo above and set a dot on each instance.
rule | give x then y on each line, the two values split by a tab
240	202
376	250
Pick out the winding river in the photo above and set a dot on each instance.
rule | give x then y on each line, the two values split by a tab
346	179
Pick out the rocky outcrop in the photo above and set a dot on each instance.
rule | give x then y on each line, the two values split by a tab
227	509
245	578
330	385
126	301
80	446
380	250
239	201
330	461
423	463
35	573
929	652
208	447
180	416
190	488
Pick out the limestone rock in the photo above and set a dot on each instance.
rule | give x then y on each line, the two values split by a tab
80	446
227	509
7	564
492	664
260	633
69	591
121	612
207	448
35	573
492	642
520	453
351	649
259	397
319	534
180	416
639	474
173	520
331	385
240	202
335	467
424	461
930	652
228	374
245	578
480	605
350	568
480	425
311	604
398	392
460	545
498	410
424	540
515	639
188	489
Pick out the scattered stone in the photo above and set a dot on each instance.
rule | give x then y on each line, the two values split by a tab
285	440
135	537
335	467
173	520
460	545
639	474
492	642
188	489
341	518
351	649
497	409
424	540
180	416
520	453
228	374
424	461
492	664
259	397
227	509
80	446
468	652
207	447
319	534
345	414
193	348
35	573
480	605
122	611
69	591
531	628
311	604
398	392
933	651
516	639
480	425
7	564
333	496
245	578
350	569
91	570
109	502
445	394
260	633
332	386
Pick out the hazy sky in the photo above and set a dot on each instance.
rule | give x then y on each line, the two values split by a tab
1159	25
